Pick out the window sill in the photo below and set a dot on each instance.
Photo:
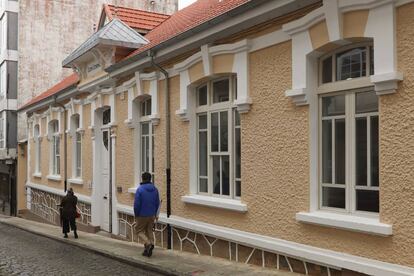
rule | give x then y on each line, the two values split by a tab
37	175
132	190
54	177
215	202
76	181
348	222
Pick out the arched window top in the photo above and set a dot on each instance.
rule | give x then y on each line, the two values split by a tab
36	131
145	107
54	127
106	116
217	91
75	121
349	62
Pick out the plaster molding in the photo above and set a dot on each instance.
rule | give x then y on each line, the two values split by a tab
386	83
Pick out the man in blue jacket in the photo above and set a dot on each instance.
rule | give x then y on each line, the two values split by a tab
147	202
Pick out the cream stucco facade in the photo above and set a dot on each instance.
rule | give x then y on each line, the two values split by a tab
278	213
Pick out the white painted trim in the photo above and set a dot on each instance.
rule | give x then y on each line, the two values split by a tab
37	175
308	253
125	209
75	181
215	202
347	222
132	190
54	177
268	40
82	198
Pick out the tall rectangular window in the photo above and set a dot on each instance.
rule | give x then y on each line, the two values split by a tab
218	140
55	147
146	137
357	171
36	136
77	146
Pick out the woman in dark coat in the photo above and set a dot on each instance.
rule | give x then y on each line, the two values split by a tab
68	209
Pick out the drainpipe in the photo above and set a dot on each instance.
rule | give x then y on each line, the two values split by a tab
167	140
65	147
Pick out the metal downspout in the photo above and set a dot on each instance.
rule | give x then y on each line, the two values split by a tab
167	140
65	147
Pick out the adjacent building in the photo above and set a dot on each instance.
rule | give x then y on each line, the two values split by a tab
8	104
279	133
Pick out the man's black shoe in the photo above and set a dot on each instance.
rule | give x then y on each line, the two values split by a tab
145	253
76	235
65	236
150	248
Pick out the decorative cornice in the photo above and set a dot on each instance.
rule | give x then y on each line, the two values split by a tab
386	83
298	96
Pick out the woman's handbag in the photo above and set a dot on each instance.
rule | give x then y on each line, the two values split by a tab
77	214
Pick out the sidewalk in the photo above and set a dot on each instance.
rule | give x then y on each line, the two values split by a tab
163	261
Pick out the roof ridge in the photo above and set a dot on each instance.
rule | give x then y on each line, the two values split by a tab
135	9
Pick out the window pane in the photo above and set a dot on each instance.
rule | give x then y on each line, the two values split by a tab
237	154
203	185
351	64
237	118
106	117
374	152
340	151
224	131
221	91
145	129
148	108
366	102
225	175
143	169
202	151
361	151
238	188
333	106
202	122
333	197
327	70
371	60
327	151
214	132
143	107
147	154
367	201
202	95
216	174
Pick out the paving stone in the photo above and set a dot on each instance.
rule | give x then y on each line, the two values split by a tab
23	253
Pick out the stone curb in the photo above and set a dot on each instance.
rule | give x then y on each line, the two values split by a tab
105	253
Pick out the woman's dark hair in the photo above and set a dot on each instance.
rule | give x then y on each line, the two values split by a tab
146	177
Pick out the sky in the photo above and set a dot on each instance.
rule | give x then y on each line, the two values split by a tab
184	3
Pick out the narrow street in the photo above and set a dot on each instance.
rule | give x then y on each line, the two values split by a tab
23	253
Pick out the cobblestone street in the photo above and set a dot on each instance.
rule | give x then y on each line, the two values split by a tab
23	253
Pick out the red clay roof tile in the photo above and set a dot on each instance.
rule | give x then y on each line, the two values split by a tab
65	83
190	17
136	19
164	27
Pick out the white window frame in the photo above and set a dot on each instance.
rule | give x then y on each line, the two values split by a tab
208	110
350	145
3	80
76	146
4	32
37	140
54	148
145	118
333	54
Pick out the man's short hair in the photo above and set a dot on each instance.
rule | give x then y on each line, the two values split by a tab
146	177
